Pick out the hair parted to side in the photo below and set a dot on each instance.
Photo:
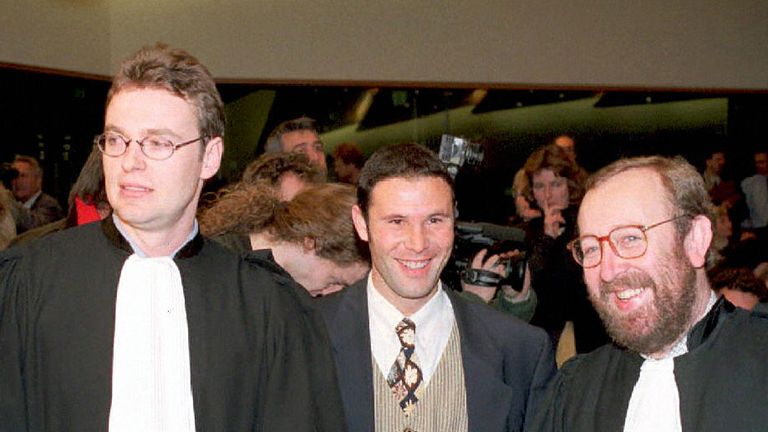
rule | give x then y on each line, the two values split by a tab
270	168
321	213
555	159
32	162
177	71
274	145
684	186
408	160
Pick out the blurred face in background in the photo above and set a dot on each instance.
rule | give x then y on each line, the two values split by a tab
716	162
549	190
568	144
27	183
307	142
761	163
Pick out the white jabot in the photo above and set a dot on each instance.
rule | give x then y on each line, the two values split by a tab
151	384
434	322
655	401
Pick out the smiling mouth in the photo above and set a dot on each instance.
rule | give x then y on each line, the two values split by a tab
414	265
629	293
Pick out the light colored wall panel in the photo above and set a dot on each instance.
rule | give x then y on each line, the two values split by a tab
71	35
654	43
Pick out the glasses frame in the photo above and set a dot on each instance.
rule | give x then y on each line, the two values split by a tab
140	143
607	239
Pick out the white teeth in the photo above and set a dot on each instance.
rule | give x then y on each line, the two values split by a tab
415	265
135	188
628	294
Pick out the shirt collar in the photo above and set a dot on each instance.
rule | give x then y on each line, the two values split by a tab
137	250
31	201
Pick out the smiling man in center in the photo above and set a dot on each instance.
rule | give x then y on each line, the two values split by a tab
411	354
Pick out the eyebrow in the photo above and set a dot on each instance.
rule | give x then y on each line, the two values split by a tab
145	132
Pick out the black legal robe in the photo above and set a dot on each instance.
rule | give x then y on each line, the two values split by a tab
259	355
722	380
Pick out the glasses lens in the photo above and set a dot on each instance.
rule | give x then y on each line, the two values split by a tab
111	144
157	148
629	241
586	250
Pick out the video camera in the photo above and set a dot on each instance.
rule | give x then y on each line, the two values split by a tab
7	174
455	152
470	238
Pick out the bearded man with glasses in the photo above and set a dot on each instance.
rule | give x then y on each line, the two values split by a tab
681	359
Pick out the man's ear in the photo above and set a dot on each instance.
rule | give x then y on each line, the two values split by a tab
360	225
697	241
212	153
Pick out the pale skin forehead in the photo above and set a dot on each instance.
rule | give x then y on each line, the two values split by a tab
633	197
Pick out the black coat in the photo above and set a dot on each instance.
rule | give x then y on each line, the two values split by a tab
722	380
259	357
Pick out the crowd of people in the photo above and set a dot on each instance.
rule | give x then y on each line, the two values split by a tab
285	302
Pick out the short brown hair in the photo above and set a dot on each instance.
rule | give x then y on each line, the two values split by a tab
740	279
407	160
178	72
685	191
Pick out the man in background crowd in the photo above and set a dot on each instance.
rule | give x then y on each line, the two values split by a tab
348	160
35	208
755	189
300	136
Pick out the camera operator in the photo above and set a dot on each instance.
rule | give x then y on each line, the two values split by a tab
519	301
31	207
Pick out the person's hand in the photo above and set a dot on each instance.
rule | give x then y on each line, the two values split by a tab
524	209
494	264
480	263
515	296
553	220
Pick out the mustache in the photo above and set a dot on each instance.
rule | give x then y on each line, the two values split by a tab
635	279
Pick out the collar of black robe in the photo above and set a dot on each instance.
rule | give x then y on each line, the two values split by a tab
701	331
189	250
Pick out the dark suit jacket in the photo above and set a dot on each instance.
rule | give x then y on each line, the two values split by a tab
507	363
44	210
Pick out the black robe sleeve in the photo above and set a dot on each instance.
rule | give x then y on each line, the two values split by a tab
12	336
301	391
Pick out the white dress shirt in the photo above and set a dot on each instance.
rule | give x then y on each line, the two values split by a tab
434	322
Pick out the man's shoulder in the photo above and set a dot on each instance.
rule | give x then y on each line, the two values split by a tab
752	181
354	295
46	201
77	240
488	320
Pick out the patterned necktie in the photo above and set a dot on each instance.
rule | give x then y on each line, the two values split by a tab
405	376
